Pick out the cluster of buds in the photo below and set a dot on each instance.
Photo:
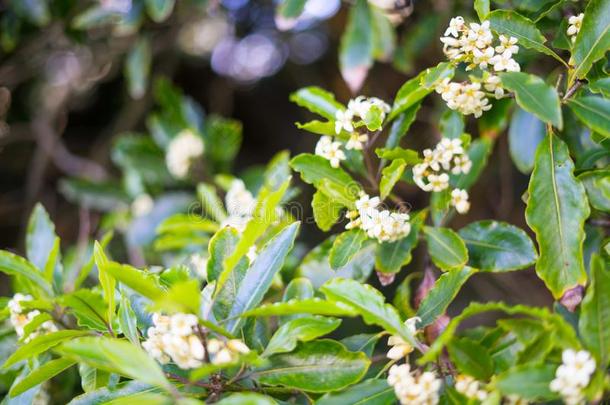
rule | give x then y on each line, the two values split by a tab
573	376
20	317
399	347
470	388
473	44
383	225
433	173
182	150
413	389
358	111
224	353
240	205
574	22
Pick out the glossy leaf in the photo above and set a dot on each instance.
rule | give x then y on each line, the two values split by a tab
525	133
593	39
369	303
390	257
369	392
597	184
511	23
318	366
114	355
445	289
447	250
556	210
594	112
40	375
326	212
260	275
317	101
357	47
471	358
482	8
304	329
534	96
594	320
40	236
142	282
529	381
601	86
315	306
345	246
497	246
390	175
107	282
14	265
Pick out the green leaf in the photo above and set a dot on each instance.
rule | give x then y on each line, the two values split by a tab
597	184
498	246
445	289
447	250
419	87
40	236
318	366
247	398
291	8
368	392
102	196
315	306
534	96
479	151
53	263
40	375
159	10
92	378
14	265
556	211
601	86
317	101
594	321
140	281
390	257
345	246
182	296
511	23
482	8
259	277
318	127
357	46
128	321
384	36
566	336
298	289
390	175
222	138
107	282
116	356
594	112
451	124
593	39
529	381
471	358
369	303
304	329
326	212
401	126
89	308
210	203
524	135
317	171
409	156
41	344
137	68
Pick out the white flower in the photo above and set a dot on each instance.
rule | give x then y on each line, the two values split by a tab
366	203
222	353
330	150
343	120
504	61
575	22
142	205
400	348
493	84
356	141
438	182
411	389
461	164
20	317
481	34
237	346
456	25
183	324
573	376
360	106
239	201
507	44
469	387
482	57
182	150
381	225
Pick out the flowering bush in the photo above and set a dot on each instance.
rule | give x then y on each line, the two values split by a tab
220	303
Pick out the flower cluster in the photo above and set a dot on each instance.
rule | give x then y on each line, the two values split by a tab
574	22
223	353
173	338
20	317
412	389
358	110
240	205
433	173
383	225
473	44
470	388
182	150
400	348
573	376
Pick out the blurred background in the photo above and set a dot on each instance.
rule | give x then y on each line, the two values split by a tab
76	74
